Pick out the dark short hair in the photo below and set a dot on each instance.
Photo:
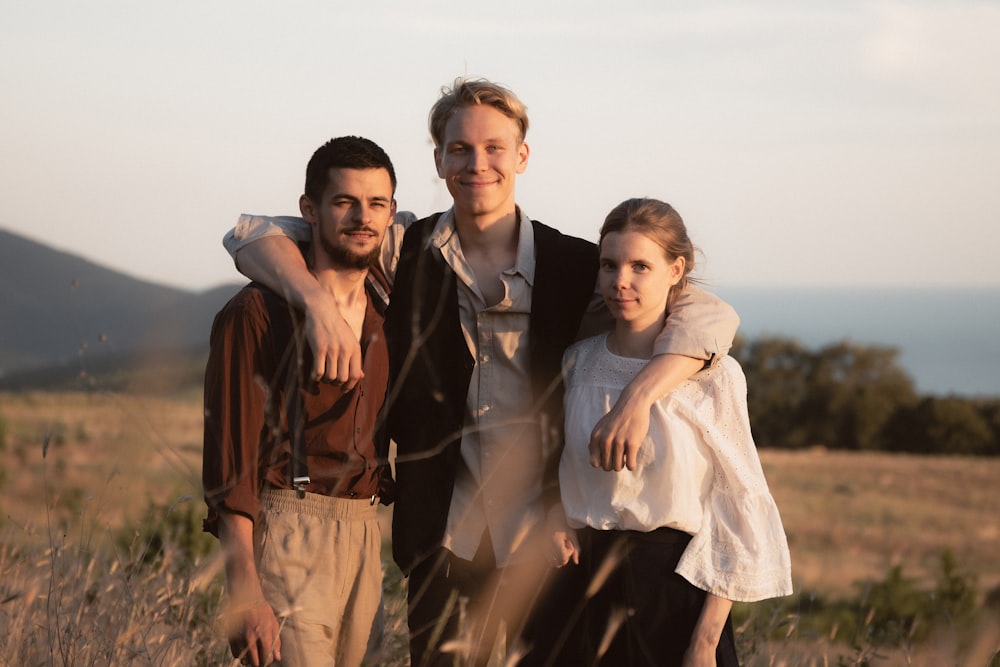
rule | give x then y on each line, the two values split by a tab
344	153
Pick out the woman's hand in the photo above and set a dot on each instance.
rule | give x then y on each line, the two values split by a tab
563	545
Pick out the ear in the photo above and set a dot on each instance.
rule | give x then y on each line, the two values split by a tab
523	151
677	270
437	162
308	210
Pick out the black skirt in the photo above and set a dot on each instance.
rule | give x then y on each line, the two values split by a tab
638	611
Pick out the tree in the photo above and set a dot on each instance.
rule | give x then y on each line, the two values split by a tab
852	392
941	425
841	396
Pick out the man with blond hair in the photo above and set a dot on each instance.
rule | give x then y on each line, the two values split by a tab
484	303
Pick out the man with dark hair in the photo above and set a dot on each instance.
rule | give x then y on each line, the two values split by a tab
293	468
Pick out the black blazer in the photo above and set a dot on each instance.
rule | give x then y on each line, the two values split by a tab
430	370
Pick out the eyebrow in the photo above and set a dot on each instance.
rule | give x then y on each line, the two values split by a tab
344	195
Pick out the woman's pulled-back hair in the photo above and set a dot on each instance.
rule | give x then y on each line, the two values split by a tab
662	224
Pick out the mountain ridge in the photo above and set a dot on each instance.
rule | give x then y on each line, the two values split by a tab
57	306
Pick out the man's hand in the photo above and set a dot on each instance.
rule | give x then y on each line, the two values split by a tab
615	441
253	635
617	437
250	624
335	346
276	262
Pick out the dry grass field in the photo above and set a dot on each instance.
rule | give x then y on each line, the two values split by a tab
78	470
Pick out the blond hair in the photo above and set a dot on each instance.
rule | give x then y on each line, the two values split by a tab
470	92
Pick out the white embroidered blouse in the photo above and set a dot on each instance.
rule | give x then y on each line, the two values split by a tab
698	472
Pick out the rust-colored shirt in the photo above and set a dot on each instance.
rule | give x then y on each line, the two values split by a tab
246	441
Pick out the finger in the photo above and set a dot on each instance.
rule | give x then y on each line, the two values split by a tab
253	654
342	370
617	457
607	453
277	648
595	450
319	367
355	371
631	457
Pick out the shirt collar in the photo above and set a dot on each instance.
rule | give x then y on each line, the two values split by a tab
445	235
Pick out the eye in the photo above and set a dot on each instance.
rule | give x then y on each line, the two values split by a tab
607	265
639	266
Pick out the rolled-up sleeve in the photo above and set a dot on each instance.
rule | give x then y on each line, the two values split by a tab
234	411
699	325
250	228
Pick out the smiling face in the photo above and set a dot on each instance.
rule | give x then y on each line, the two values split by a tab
636	277
350	218
480	156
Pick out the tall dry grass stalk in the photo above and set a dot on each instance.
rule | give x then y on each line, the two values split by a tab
74	604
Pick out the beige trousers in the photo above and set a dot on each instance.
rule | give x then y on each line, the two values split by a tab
319	561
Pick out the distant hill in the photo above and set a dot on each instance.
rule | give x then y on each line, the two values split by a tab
58	310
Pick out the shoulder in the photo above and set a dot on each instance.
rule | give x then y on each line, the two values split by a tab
565	263
253	304
584	353
550	236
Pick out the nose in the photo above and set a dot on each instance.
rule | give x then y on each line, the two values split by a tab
477	160
362	213
620	280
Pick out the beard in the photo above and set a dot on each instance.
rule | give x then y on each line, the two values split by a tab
345	259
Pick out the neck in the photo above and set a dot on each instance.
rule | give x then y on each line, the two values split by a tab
635	341
346	285
493	235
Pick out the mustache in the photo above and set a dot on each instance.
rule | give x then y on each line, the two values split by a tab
360	228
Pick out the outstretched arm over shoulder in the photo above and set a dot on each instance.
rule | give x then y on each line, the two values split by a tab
699	330
266	249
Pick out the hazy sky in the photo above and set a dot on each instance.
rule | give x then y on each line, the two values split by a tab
835	143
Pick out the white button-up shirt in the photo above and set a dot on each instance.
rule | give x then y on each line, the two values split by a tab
498	488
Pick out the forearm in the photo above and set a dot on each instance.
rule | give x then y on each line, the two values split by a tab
250	625
276	262
659	377
236	539
711	622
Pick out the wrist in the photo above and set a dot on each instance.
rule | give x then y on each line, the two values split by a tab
315	299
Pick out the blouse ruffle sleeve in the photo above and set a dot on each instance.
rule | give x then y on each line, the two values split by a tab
740	552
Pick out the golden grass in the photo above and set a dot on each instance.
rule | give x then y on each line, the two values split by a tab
851	516
70	593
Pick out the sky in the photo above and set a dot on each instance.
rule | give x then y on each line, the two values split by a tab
805	143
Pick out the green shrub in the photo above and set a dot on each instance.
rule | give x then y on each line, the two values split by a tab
178	525
893	613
